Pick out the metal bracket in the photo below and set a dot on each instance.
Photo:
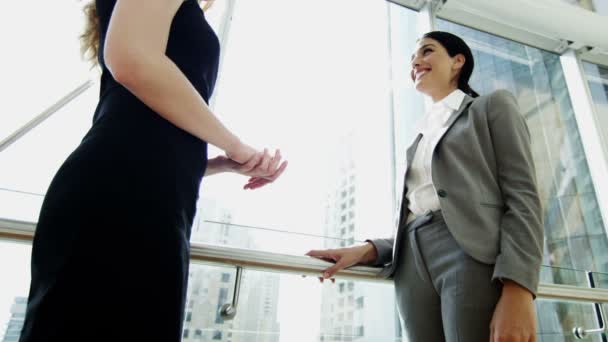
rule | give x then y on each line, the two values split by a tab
436	5
433	6
594	50
581	333
228	310
562	46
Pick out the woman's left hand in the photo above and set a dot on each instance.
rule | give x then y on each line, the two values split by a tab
262	168
514	317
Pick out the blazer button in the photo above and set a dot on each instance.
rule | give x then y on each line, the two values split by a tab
442	193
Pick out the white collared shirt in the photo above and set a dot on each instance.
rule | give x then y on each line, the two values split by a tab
421	192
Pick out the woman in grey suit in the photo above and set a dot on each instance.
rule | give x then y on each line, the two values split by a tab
467	250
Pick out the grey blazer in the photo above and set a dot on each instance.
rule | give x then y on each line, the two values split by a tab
483	172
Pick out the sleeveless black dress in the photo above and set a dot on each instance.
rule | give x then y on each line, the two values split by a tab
111	252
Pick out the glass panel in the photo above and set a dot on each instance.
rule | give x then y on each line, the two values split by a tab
39	66
564	276
320	93
557	319
15	270
600	280
283	307
597	76
215	227
29	165
575	234
408	105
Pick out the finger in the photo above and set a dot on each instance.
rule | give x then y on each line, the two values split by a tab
258	183
328	273
274	163
278	172
270	179
259	180
254	184
248	185
251	163
319	253
328	256
265	162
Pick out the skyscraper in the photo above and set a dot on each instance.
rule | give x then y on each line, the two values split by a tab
15	324
211	287
353	311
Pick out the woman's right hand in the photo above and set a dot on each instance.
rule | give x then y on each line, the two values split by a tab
345	257
241	153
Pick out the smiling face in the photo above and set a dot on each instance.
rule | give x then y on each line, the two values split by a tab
434	72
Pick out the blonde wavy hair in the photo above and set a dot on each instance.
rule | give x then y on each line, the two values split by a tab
89	39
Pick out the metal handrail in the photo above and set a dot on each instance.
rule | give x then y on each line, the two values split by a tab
302	265
38	119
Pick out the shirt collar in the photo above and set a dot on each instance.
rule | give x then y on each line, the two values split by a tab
452	101
440	111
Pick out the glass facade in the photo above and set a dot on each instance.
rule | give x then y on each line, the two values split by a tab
334	94
597	77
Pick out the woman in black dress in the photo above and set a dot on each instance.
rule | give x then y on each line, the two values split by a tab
111	251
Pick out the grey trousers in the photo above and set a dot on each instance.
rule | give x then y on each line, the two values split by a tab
442	293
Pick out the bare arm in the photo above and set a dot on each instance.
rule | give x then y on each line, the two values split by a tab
135	55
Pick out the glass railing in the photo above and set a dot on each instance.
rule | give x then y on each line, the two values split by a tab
280	298
23	206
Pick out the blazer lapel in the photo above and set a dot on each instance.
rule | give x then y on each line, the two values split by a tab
411	151
465	103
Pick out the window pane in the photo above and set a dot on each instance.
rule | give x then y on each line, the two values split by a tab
597	77
408	104
15	270
320	93
29	165
556	319
267	301
40	63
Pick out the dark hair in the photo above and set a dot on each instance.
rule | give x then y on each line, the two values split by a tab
454	46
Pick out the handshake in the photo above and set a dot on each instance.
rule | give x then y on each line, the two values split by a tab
261	167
